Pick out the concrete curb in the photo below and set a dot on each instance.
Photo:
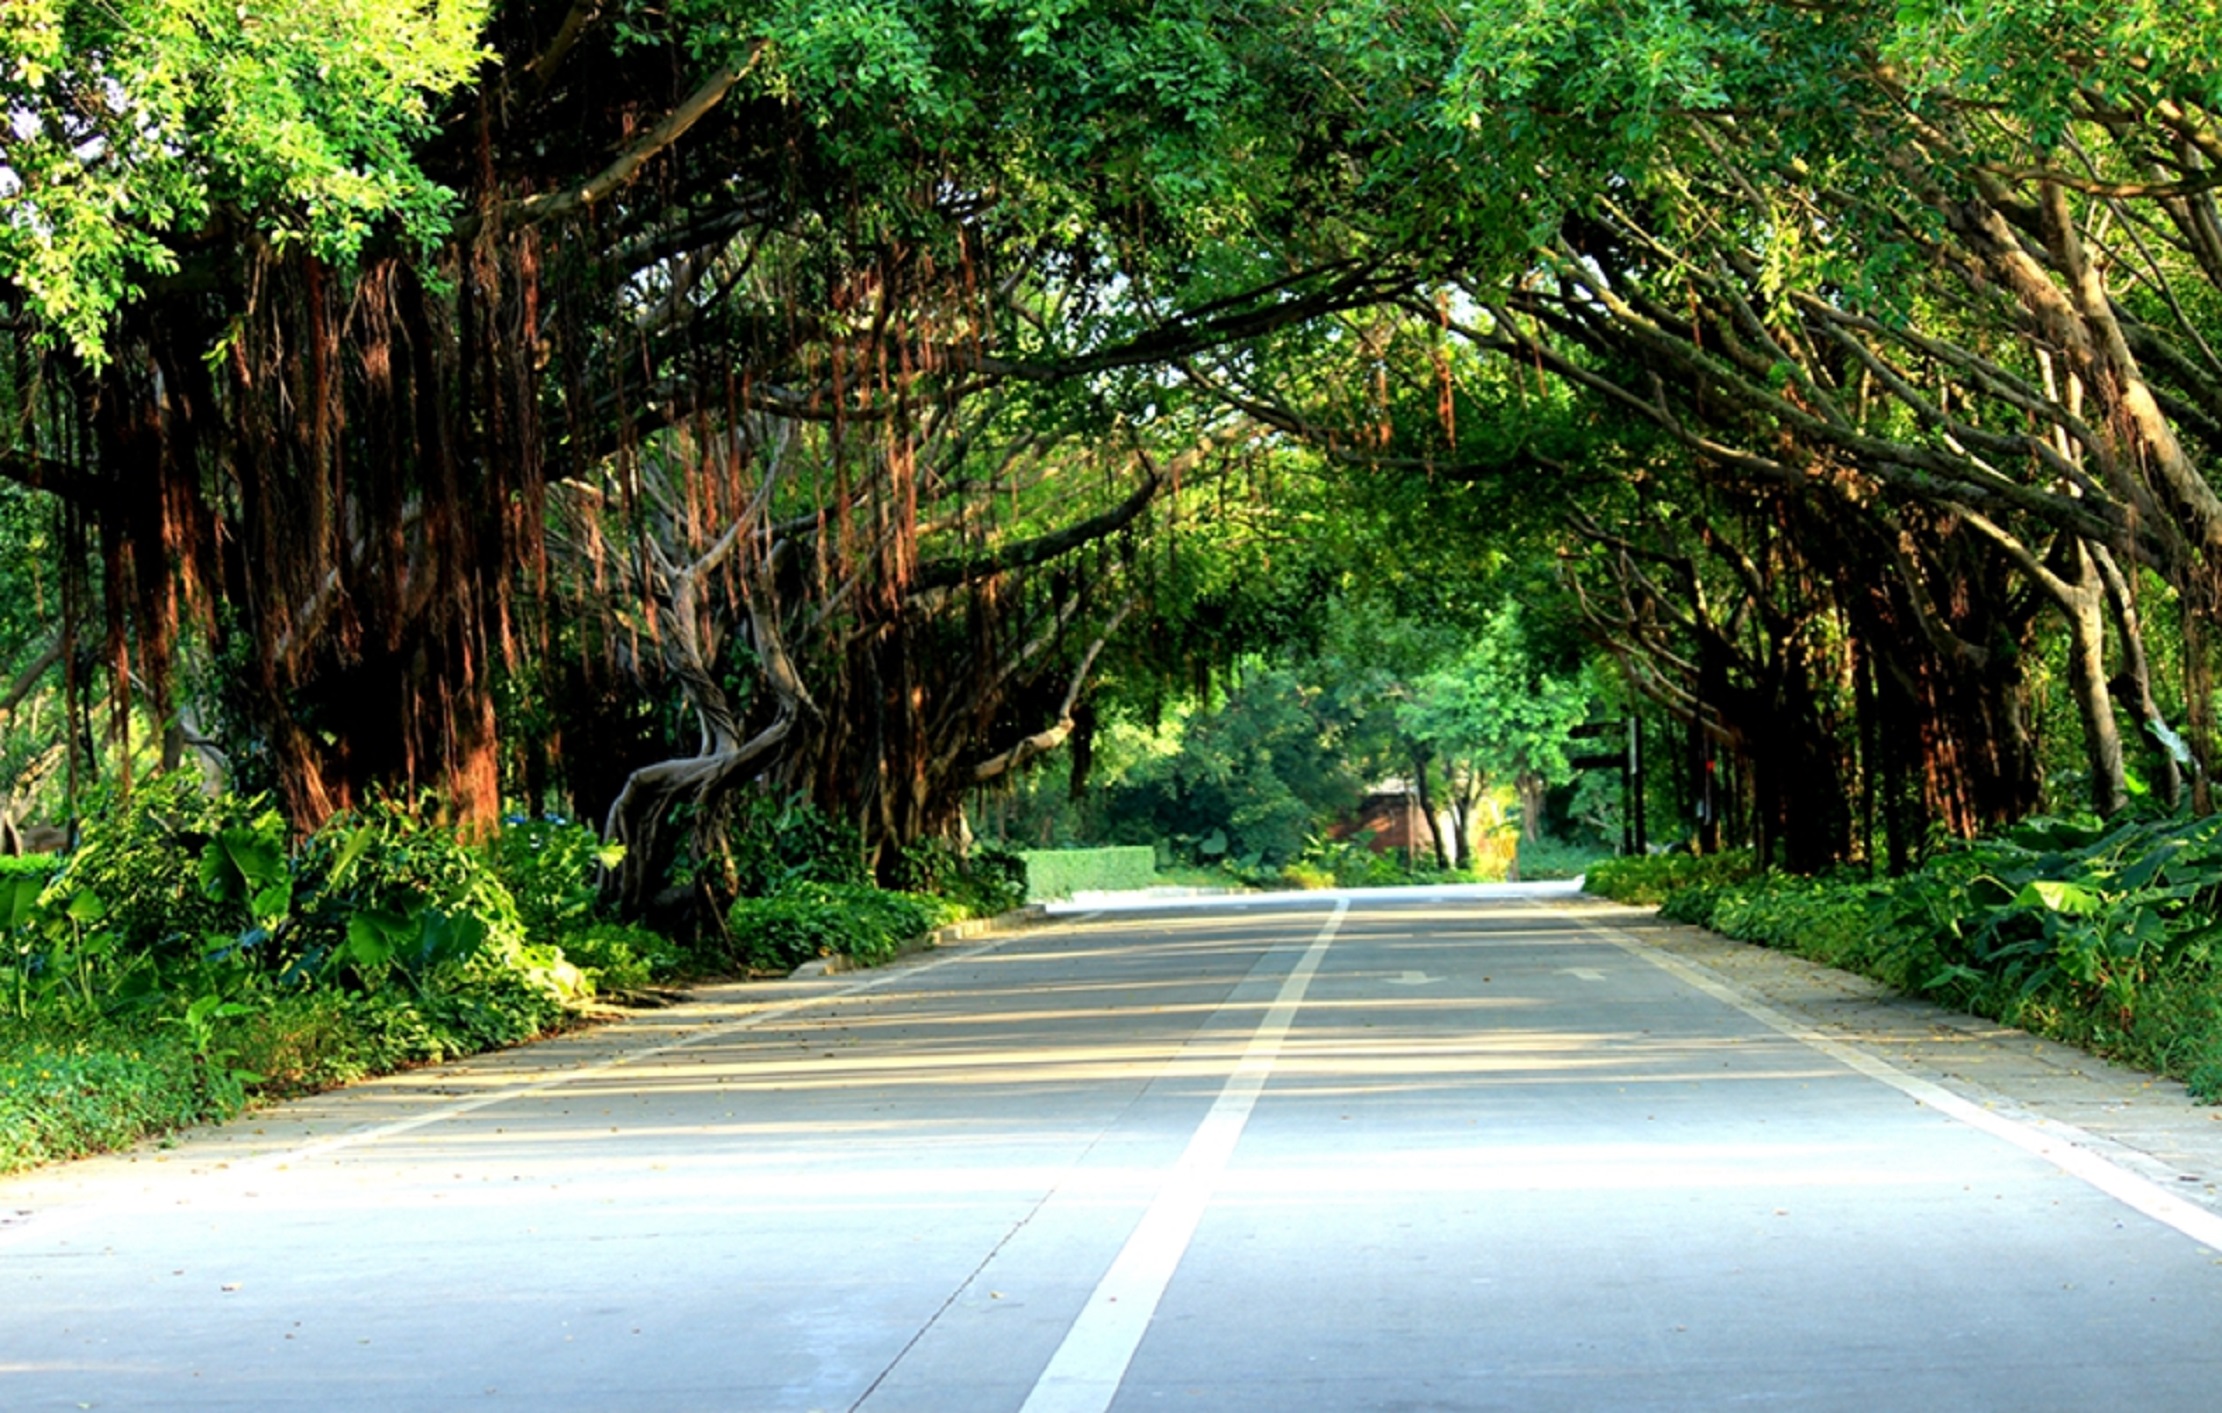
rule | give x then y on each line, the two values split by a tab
970	928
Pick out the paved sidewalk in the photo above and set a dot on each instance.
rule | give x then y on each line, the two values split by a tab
2151	1126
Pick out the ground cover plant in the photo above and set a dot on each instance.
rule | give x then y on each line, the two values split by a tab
2104	934
805	917
186	959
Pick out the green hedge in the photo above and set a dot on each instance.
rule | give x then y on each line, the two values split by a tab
1060	873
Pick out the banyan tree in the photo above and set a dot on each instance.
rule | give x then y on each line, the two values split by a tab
791	361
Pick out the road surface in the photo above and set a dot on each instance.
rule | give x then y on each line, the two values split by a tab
1377	1153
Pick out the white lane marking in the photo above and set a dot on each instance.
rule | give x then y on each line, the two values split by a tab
57	1223
1413	978
1084	1374
2056	1148
1583	973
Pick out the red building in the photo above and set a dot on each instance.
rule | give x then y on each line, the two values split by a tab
1391	811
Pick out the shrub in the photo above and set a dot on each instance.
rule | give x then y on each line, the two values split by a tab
142	861
1345	863
1648	880
1541	859
552	870
2101	934
986	880
619	956
776	843
1060	873
809	920
184	956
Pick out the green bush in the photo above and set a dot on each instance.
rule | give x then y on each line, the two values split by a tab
1542	859
2105	935
1649	879
1345	863
552	870
1060	873
184	957
387	895
619	956
775	843
40	866
987	880
809	920
142	861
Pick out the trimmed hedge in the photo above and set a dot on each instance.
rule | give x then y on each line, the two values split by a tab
1060	873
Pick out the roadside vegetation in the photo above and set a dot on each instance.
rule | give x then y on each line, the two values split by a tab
2107	935
185	960
814	452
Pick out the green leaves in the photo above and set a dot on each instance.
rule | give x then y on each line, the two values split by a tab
248	865
1494	704
137	122
414	945
2054	895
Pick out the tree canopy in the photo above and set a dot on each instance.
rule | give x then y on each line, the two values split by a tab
641	404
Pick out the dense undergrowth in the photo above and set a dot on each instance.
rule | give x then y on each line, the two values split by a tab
2104	935
187	958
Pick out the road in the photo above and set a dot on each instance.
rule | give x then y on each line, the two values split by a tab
1469	1153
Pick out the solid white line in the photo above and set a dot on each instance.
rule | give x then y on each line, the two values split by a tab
1084	1374
2058	1148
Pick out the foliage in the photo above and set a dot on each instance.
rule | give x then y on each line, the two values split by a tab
550	868
2100	934
808	920
1060	873
64	1098
1345	863
136	123
1650	879
1246	782
141	862
183	959
178	904
1548	858
982	881
619	956
775	842
1494	709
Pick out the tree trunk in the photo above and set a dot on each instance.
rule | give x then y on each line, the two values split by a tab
2133	685
2102	738
1421	761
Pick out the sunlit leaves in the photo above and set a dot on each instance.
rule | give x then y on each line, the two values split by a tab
137	123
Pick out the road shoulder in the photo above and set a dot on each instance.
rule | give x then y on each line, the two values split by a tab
2151	1126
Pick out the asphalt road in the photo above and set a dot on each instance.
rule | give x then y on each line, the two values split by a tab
1459	1154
